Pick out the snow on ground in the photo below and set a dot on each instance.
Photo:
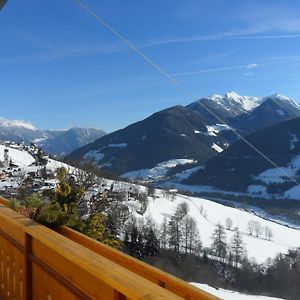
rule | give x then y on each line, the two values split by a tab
18	157
217	148
97	155
293	193
280	112
94	155
213	130
120	145
293	141
281	174
260	249
53	165
159	171
257	189
186	173
230	295
40	140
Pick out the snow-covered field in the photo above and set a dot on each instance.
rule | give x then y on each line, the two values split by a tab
18	157
159	171
213	130
230	295
279	175
258	249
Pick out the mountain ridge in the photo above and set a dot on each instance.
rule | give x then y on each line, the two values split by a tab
182	132
55	142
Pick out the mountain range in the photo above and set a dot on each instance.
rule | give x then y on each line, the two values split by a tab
187	132
196	144
55	142
241	168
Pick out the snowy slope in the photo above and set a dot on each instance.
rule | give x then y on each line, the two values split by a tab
159	171
164	205
259	249
230	295
18	157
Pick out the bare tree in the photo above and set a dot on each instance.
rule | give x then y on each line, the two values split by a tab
228	223
190	234
250	227
268	233
164	234
258	229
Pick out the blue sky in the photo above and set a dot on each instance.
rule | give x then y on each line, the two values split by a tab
59	68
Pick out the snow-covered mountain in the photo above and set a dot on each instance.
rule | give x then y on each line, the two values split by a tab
16	131
65	141
226	107
173	133
273	109
180	133
240	168
59	143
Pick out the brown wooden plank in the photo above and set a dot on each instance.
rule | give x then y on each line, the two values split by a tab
88	270
81	267
169	282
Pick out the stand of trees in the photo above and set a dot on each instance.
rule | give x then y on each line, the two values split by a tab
176	248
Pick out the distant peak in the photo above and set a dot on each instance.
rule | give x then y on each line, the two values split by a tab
278	96
283	98
232	100
16	123
232	95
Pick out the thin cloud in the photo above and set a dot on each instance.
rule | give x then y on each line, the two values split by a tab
252	66
214	57
222	36
274	61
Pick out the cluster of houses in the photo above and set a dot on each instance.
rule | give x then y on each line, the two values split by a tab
14	172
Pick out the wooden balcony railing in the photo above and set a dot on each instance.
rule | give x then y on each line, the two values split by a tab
38	263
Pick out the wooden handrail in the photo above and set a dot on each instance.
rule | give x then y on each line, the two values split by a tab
4	201
61	268
92	250
169	282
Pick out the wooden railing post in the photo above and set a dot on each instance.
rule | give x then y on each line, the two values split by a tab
28	267
119	296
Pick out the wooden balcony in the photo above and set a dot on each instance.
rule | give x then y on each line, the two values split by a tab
39	263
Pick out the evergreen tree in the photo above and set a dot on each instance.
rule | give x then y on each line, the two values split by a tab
176	226
237	247
219	244
174	234
67	193
152	244
95	228
136	246
190	235
164	234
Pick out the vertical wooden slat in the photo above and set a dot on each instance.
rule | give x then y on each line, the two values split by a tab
161	283
28	267
119	296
